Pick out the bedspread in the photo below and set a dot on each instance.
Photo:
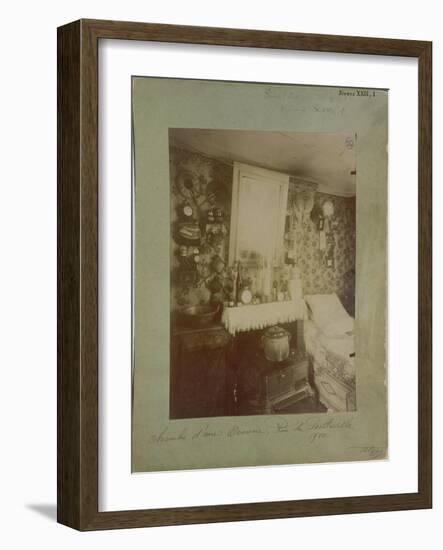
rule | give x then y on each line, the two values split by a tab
331	354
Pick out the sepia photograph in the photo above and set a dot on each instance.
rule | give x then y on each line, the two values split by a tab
263	231
260	274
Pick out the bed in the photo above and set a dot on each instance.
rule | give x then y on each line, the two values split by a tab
329	340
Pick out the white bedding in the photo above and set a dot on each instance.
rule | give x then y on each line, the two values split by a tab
343	346
329	315
329	336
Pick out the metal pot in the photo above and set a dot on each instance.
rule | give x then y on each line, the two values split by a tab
199	316
275	342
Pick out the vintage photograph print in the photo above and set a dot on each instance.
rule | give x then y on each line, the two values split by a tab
259	263
262	272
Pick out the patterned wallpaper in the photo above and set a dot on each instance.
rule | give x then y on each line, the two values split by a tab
316	277
200	272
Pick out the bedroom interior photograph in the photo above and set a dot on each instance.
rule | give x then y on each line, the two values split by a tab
263	250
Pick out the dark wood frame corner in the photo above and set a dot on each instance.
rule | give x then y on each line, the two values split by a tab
77	456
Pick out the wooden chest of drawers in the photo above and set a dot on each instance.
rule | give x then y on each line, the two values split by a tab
266	388
199	383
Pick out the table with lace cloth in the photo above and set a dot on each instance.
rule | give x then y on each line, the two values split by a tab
254	317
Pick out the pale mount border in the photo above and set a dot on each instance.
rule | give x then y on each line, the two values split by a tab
77	274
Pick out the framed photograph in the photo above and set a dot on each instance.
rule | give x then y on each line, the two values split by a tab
244	275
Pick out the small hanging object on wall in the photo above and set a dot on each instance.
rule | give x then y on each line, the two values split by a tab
303	191
330	256
210	216
217	264
317	217
193	189
326	237
185	212
188	189
328	213
219	215
290	240
322	240
187	234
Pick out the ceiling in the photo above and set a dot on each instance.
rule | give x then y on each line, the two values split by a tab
328	159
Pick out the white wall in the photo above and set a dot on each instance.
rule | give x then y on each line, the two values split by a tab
28	270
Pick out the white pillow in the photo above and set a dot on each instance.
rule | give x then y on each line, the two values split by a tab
340	329
329	314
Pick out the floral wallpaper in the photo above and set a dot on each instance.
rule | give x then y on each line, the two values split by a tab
317	277
201	190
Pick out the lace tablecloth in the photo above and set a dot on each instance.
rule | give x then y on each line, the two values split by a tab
254	317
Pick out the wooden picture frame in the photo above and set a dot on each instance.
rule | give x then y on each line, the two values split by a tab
77	480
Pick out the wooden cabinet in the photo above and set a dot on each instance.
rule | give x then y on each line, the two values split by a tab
267	388
214	374
200	379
